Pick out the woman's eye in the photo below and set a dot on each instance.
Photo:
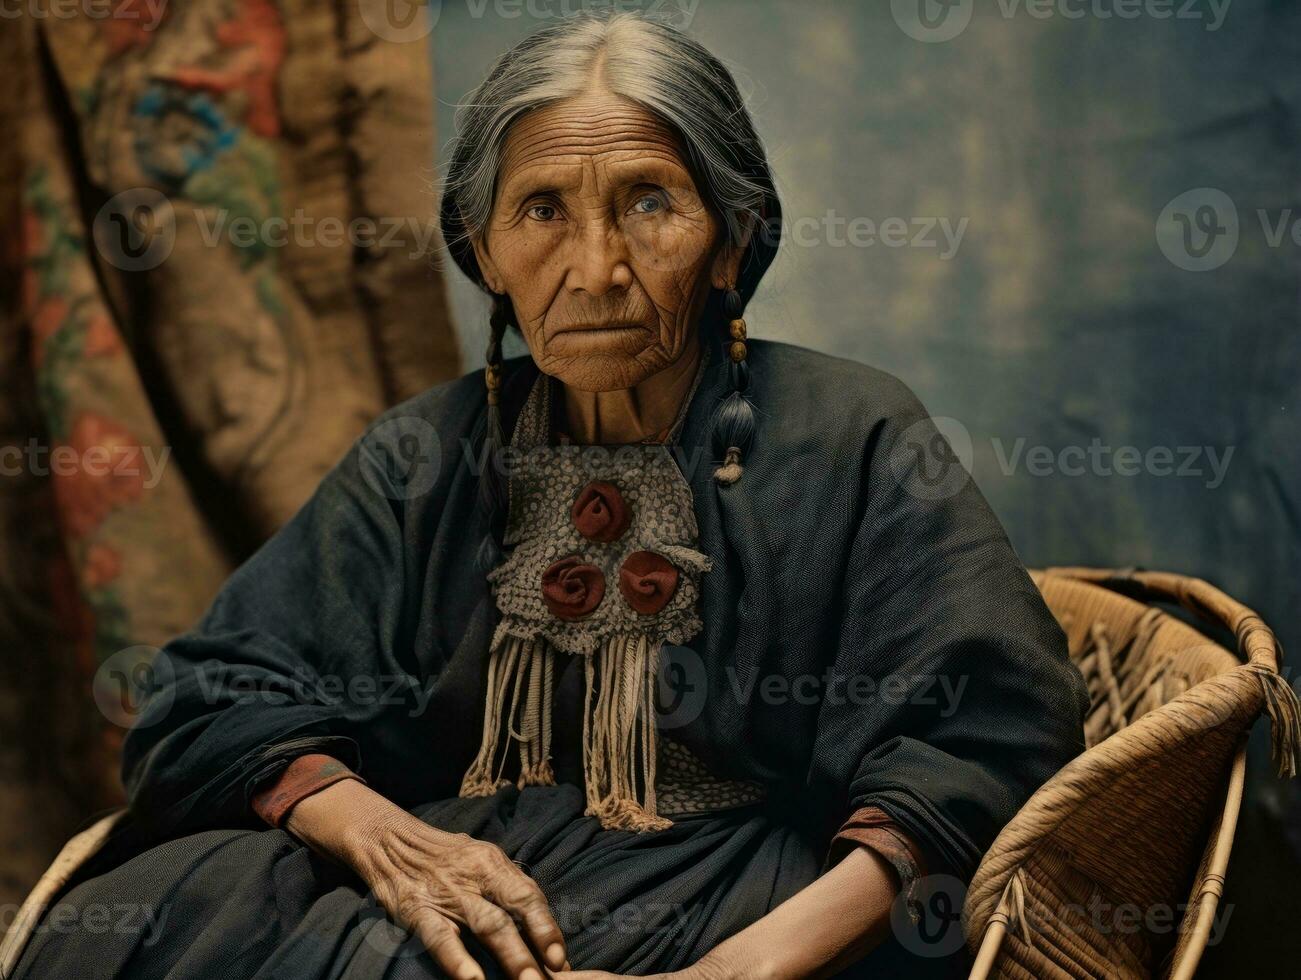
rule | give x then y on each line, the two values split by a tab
648	204
542	212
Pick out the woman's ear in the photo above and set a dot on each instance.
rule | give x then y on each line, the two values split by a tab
487	268
727	263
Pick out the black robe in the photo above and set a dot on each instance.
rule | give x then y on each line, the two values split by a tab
847	590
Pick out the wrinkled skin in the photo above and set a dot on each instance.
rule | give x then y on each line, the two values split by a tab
607	250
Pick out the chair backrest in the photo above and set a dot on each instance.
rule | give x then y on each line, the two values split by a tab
1134	656
1093	876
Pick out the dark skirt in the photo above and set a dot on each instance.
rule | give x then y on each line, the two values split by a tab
237	904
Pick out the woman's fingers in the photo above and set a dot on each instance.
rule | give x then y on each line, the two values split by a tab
520	895
496	930
443	940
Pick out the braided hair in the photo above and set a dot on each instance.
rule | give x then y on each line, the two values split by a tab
681	82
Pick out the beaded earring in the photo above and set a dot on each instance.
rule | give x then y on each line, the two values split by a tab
735	428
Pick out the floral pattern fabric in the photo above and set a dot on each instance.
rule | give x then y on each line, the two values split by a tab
174	390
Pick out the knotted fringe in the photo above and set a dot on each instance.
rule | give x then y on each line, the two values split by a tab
621	724
618	731
1284	712
521	670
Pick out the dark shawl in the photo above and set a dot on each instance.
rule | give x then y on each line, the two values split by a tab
822	561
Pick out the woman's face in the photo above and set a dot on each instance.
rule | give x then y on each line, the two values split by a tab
602	241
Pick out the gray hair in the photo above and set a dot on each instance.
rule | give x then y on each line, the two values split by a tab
679	81
652	64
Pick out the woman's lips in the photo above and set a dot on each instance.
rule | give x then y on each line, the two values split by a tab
604	338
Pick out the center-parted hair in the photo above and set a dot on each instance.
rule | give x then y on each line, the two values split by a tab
674	78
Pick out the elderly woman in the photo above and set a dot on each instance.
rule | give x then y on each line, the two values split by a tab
662	656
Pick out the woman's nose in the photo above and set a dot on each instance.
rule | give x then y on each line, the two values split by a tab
600	259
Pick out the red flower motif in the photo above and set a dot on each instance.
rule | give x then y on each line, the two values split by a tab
107	471
103	565
256	34
647	581
101	337
571	588
599	512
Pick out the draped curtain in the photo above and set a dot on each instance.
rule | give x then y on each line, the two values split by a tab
217	269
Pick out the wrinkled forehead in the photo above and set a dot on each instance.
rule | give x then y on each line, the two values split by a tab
598	128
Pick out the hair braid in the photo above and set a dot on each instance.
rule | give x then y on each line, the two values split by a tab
493	493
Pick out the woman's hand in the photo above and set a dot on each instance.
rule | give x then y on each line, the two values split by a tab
815	933
435	883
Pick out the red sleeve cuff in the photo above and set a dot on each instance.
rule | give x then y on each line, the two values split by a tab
872	827
306	775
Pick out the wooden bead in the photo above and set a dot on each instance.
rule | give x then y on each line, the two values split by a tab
492	377
737	351
737	327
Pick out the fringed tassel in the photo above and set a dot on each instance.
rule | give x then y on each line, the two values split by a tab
1284	710
520	670
619	729
731	470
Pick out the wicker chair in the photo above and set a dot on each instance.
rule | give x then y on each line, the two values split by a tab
1144	818
1115	867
